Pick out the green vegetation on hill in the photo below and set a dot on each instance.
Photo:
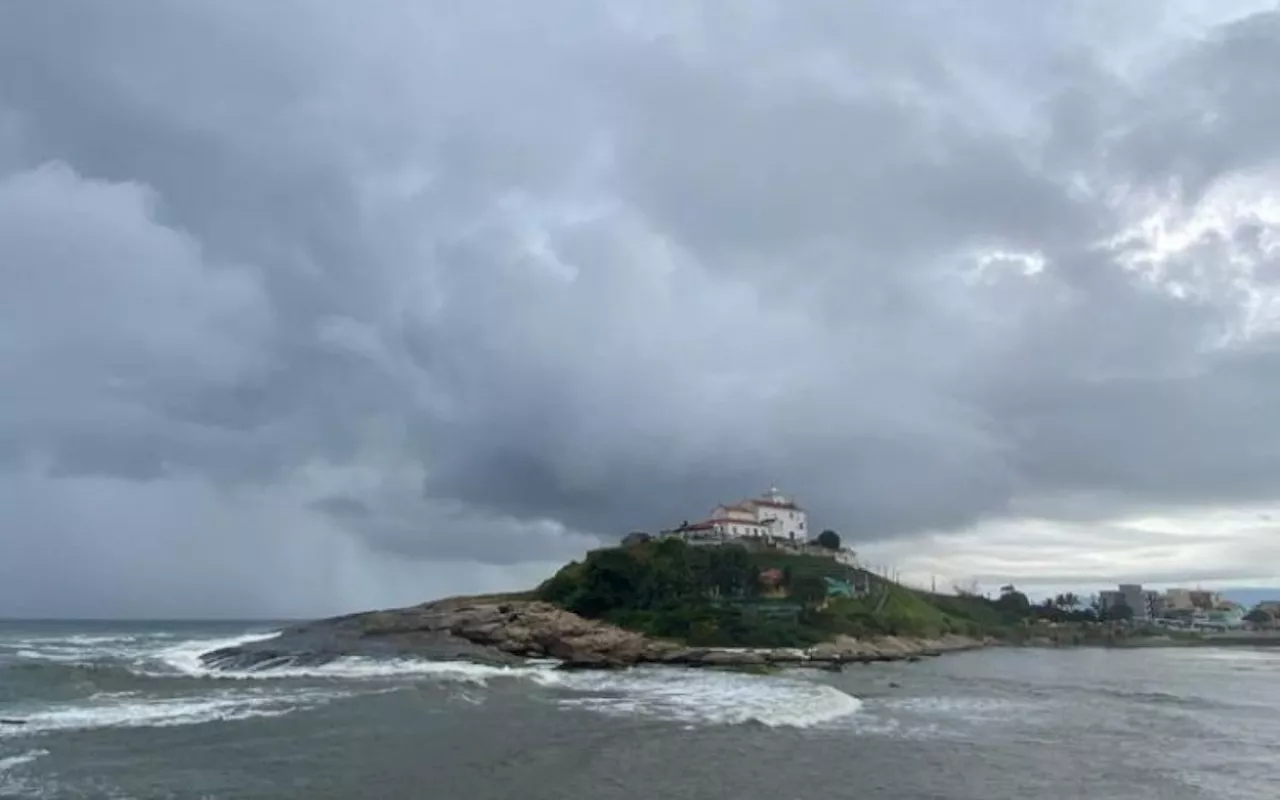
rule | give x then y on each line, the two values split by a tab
722	596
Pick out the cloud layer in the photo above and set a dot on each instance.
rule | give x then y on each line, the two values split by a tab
304	309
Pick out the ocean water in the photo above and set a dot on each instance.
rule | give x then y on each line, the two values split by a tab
125	710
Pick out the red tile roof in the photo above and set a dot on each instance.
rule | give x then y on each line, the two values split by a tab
776	504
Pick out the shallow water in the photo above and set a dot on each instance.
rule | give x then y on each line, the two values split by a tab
126	711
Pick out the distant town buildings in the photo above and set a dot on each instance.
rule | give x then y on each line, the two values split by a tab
1186	608
1191	599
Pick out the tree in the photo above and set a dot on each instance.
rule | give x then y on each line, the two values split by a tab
1013	601
829	539
1260	617
1066	601
970	588
809	589
1120	612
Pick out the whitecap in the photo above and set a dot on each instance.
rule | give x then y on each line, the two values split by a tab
11	784
185	656
358	668
128	712
85	648
10	763
680	695
705	697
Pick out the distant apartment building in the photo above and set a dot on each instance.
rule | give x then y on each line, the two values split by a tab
1146	604
1205	600
1135	598
1179	600
1109	599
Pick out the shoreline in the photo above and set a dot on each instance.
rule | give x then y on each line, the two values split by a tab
506	632
1159	641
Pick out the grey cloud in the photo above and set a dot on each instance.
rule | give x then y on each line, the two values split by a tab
1211	112
433	289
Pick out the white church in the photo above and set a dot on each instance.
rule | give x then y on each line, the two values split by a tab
770	516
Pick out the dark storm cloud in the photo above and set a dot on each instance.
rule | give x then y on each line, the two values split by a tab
377	290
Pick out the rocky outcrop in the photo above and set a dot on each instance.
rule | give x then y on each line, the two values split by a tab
497	631
891	648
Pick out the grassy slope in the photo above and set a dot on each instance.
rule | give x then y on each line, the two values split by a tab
902	609
888	608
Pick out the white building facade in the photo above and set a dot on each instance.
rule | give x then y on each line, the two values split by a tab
771	515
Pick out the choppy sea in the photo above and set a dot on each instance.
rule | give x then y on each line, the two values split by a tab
126	710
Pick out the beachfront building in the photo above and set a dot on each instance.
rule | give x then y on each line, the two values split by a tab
1219	619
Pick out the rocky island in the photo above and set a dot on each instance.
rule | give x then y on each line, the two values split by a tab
656	602
511	631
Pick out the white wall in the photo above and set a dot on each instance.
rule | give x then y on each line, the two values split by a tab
788	520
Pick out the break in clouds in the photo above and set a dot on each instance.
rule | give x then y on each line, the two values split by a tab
306	307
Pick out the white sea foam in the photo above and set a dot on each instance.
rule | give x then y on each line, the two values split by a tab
126	711
14	785
88	649
705	697
10	763
692	697
688	696
357	668
185	657
971	710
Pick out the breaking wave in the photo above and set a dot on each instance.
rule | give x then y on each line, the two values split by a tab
128	711
12	762
696	697
156	681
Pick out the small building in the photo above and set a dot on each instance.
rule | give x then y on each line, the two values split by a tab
635	538
1222	619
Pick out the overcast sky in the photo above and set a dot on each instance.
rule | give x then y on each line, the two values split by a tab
306	307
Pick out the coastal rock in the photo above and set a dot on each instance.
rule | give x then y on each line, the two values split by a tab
506	631
732	658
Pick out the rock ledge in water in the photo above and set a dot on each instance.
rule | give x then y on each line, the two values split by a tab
503	632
